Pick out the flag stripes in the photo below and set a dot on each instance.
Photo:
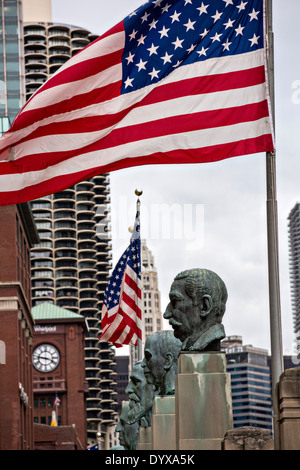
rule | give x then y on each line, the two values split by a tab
121	321
80	123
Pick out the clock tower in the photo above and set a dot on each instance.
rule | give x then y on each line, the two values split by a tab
58	368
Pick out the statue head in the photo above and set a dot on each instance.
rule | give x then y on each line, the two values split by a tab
160	360
141	395
197	305
128	433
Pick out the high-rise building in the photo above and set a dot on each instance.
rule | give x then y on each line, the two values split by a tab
70	267
152	319
12	89
294	258
250	383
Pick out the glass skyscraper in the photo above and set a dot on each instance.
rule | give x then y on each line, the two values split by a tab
294	255
250	384
12	84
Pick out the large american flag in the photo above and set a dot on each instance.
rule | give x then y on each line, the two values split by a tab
177	81
121	322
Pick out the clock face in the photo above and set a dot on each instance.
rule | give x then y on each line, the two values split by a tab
45	358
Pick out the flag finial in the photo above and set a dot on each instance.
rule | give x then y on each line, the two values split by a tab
138	193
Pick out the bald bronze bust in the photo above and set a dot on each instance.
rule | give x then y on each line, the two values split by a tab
197	305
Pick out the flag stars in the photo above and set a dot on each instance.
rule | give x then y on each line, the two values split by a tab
160	35
253	15
128	82
167	58
241	6
145	17
189	25
141	40
152	49
153	24
191	49
217	16
178	43
165	9
202	52
216	37
202	8
141	65
205	32
133	34
226	45
130	58
239	30
229	23
164	32
175	16
254	40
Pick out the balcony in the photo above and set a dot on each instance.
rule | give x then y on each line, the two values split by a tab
69	292
34	30
49	385
31	57
66	253
65	233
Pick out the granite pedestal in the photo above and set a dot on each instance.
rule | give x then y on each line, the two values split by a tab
288	398
203	404
163	423
145	439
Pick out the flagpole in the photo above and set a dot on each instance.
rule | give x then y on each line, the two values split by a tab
272	233
138	193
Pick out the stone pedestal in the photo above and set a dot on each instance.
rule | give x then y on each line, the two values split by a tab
163	423
288	394
248	438
145	439
203	402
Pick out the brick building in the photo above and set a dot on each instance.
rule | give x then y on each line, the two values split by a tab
18	234
59	373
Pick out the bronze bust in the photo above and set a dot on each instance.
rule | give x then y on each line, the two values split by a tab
197	305
128	433
160	361
141	395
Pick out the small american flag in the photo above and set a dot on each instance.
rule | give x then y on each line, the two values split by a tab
121	310
177	81
56	401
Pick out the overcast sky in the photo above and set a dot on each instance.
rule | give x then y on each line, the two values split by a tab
223	204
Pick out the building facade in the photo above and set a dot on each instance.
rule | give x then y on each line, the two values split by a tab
70	267
250	384
294	259
59	383
18	234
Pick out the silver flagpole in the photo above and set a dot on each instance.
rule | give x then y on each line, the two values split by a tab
138	193
272	233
